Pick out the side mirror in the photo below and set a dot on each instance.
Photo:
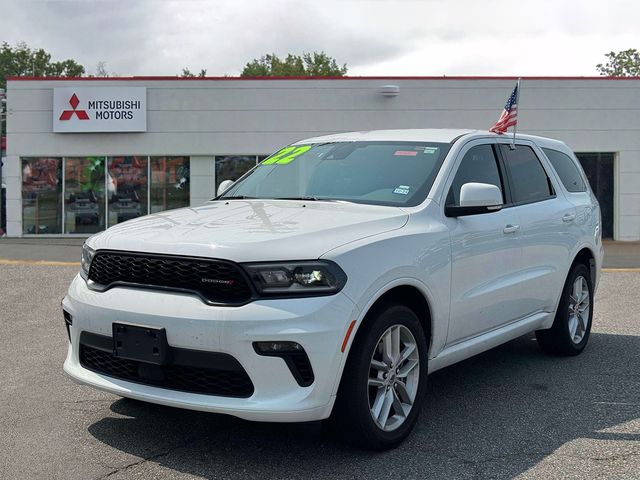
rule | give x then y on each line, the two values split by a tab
224	186
476	198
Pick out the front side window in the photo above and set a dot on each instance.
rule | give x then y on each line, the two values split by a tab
566	169
377	173
479	165
529	181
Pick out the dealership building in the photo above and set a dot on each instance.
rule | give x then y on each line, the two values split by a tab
85	154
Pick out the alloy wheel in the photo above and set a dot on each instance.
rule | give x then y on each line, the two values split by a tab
394	374
579	306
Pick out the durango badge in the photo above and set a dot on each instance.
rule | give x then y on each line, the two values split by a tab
218	281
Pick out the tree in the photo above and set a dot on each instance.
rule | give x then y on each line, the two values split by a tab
101	70
186	73
21	61
622	64
308	65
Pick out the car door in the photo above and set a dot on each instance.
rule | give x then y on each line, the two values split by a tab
485	251
545	217
586	224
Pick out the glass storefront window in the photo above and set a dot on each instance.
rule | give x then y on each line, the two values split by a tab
84	195
232	167
127	189
41	195
169	183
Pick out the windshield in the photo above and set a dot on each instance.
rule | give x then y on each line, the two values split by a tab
379	173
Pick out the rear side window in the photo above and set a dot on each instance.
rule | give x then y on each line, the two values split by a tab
529	181
478	165
566	169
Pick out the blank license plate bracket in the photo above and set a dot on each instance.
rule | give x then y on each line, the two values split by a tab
140	343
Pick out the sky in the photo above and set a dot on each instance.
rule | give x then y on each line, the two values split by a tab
373	37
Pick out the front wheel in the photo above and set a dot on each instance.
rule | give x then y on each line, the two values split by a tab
384	381
571	327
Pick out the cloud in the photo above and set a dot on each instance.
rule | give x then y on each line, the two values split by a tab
86	31
225	38
374	37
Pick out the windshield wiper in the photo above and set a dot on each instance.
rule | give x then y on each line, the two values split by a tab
303	198
311	199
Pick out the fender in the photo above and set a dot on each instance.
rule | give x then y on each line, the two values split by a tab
438	331
594	270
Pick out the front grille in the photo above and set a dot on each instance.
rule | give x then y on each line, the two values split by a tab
215	281
186	378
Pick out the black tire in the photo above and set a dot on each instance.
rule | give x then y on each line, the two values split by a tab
352	417
558	339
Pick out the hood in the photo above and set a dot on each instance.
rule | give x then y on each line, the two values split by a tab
252	230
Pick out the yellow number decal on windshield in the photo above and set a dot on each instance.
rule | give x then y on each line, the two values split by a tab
278	155
287	155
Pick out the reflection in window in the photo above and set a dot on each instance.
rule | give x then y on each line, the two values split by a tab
566	169
233	167
84	195
169	183
478	166
126	188
41	195
529	181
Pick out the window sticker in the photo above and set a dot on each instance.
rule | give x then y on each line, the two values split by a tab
430	150
405	153
286	155
402	189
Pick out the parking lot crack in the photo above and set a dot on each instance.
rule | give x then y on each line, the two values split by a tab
74	402
153	457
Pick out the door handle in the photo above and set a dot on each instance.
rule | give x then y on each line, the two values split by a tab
511	229
569	217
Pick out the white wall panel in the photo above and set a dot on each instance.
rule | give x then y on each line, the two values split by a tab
629	183
13	180
629	204
629	227
629	162
202	179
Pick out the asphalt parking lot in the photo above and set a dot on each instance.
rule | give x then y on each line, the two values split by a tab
512	412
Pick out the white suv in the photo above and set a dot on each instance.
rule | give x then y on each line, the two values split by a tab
328	281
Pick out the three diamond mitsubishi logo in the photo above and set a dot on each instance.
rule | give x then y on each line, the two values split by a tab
67	114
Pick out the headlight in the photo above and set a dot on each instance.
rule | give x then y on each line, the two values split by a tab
87	257
320	277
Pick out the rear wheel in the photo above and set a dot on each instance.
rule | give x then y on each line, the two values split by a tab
572	325
384	381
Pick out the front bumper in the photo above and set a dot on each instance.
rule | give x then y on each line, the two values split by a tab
319	324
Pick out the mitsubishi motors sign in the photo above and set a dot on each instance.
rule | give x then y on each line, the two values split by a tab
99	109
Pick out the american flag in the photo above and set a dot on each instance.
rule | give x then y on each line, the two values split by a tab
509	116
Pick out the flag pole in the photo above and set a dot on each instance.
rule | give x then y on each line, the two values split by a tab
515	127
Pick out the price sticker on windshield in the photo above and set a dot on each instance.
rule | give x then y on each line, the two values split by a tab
286	155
